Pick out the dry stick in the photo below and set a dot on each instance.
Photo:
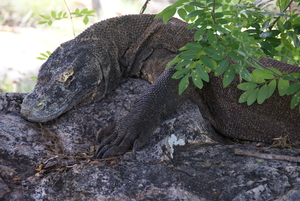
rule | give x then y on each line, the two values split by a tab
144	6
71	18
267	156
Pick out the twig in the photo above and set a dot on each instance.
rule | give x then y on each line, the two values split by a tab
144	6
286	7
71	18
267	156
213	14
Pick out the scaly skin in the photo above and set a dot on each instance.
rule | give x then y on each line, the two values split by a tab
91	65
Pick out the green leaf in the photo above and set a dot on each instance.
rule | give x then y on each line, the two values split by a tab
255	25
179	3
296	41
182	63
45	17
287	25
275	70
44	55
242	71
271	88
59	14
252	97
280	26
184	83
43	22
189	8
262	94
203	74
207	62
218	55
168	15
211	37
228	76
162	13
178	74
292	76
175	60
243	98
295	100
268	47
257	79
222	21
287	44
245	86
182	13
188	55
220	29
83	11
297	30
263	73
194	46
85	20
222	67
197	80
266	24
195	13
293	88
53	14
274	41
197	4
50	23
236	56
283	85
269	33
199	33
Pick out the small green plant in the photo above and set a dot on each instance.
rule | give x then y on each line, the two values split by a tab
44	56
85	13
240	31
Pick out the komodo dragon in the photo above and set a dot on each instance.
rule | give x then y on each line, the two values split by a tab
88	67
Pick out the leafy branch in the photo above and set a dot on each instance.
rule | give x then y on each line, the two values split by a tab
85	13
229	38
44	56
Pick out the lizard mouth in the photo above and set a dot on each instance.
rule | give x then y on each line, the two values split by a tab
39	110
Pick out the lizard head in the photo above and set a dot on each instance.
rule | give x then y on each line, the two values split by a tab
67	79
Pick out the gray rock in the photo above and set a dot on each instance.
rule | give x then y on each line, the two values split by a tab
183	160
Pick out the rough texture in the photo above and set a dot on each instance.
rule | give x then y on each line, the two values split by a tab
55	160
203	169
91	65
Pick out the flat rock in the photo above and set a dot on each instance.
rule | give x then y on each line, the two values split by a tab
183	160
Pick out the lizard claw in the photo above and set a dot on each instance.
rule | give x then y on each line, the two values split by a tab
129	133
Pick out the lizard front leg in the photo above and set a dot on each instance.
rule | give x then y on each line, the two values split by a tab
133	131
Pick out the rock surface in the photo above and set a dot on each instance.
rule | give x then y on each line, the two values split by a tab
182	161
